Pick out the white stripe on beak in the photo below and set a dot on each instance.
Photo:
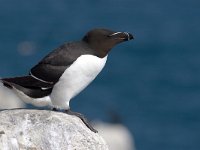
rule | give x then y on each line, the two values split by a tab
127	35
115	33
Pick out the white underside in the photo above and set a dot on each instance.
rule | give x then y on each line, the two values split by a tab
77	77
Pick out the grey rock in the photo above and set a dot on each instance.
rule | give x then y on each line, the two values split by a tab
46	130
116	135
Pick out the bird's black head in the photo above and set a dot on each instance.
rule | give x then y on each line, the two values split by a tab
102	40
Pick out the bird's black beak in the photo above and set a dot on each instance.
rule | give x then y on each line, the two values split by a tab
124	36
128	36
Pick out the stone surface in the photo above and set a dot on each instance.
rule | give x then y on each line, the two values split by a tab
117	136
45	130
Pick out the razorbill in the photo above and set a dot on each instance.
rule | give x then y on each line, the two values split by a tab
66	71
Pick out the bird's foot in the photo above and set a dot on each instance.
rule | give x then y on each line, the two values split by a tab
54	109
85	121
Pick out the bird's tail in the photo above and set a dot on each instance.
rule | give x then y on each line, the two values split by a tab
10	88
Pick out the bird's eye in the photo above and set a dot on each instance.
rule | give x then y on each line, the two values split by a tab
108	36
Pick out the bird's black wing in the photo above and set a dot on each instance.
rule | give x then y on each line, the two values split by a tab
29	86
46	73
28	82
51	67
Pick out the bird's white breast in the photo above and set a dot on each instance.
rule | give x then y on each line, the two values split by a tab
81	73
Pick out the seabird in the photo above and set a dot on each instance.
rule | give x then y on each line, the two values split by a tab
66	71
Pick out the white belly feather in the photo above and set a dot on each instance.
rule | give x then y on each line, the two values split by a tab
81	73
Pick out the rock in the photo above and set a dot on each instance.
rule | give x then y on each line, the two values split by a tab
46	130
117	136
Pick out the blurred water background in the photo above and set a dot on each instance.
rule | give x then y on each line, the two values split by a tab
153	82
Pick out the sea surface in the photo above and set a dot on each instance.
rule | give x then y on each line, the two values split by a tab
152	82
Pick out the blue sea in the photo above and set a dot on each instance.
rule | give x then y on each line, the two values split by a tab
152	82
